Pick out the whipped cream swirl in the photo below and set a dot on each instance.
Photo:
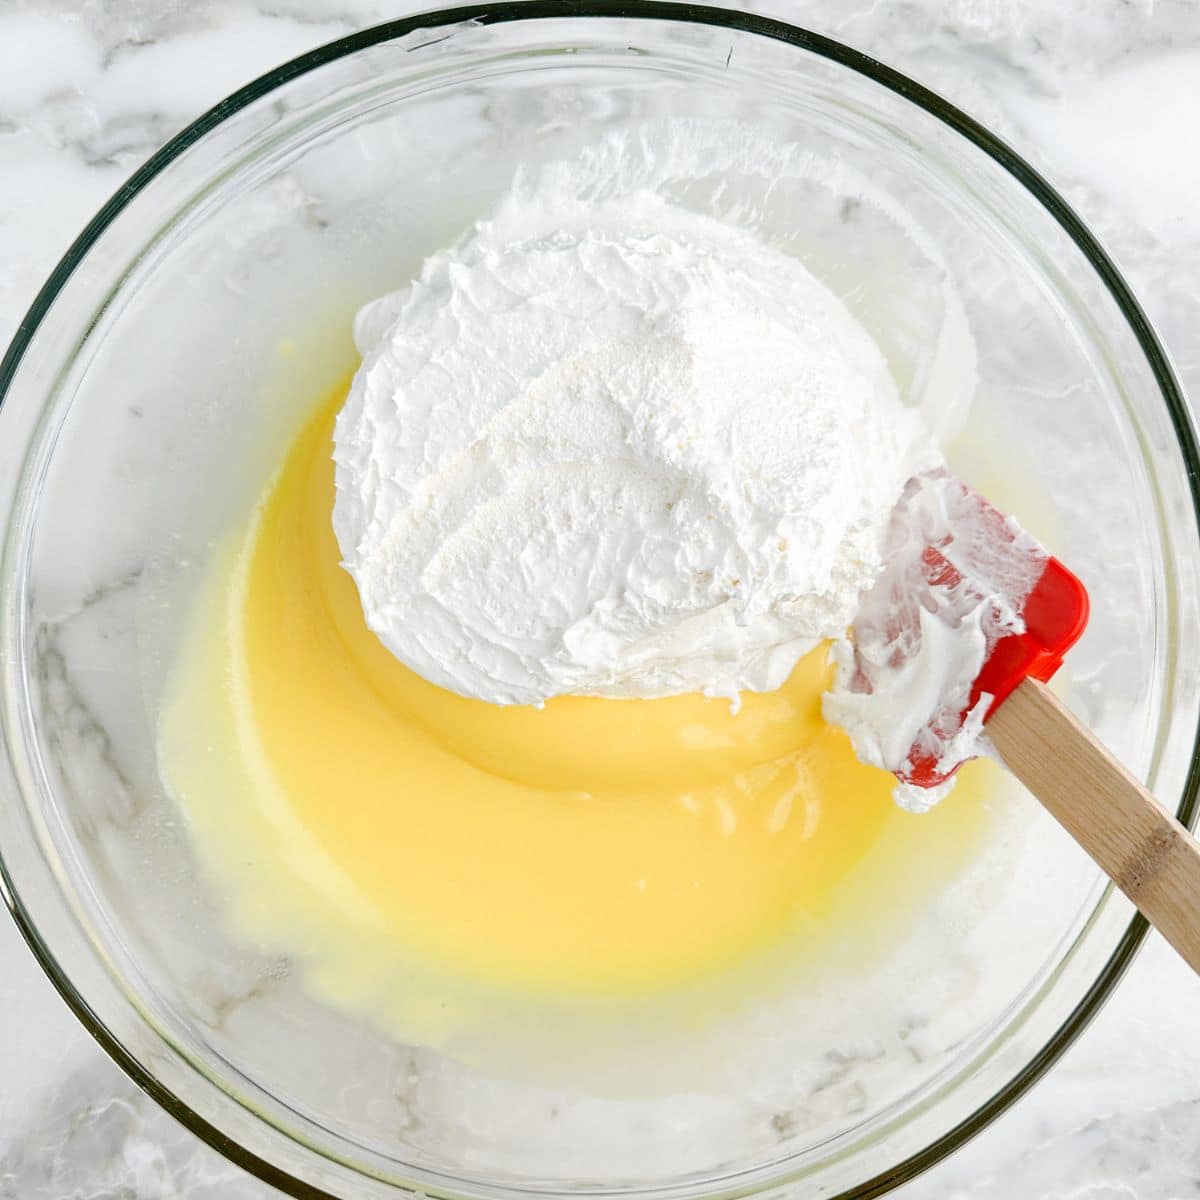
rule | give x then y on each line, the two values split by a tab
613	446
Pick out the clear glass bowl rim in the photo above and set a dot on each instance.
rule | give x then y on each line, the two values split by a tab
720	18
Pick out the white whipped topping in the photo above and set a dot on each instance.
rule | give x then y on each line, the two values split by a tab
608	445
903	685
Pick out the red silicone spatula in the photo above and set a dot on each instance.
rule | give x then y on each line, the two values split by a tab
1150	856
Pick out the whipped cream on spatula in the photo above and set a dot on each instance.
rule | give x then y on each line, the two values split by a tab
967	605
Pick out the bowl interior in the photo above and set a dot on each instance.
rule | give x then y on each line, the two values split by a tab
197	332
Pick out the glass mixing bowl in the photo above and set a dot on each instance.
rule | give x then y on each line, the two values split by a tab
153	387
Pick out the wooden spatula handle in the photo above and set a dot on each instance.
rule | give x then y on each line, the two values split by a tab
1147	853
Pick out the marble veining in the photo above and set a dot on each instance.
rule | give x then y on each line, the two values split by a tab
1100	94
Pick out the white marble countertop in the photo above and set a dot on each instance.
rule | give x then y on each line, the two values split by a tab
1104	95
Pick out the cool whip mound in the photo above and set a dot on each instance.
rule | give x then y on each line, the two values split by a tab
609	444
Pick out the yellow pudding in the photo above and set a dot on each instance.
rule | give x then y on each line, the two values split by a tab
594	847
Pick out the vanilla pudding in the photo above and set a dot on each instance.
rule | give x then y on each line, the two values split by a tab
593	845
